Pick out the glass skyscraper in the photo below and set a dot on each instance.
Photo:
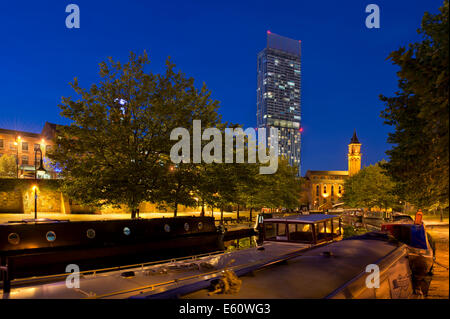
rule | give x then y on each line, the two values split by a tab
278	94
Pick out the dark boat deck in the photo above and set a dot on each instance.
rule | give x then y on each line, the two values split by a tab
153	278
311	275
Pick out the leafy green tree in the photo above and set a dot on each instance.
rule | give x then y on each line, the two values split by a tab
177	187
117	148
282	189
279	190
370	187
419	113
8	166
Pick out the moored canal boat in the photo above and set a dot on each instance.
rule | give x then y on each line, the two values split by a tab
44	247
420	250
299	258
301	235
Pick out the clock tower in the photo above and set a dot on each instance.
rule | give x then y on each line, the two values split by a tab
354	155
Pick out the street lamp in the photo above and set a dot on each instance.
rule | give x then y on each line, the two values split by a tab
40	169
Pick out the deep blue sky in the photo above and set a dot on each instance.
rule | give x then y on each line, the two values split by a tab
344	65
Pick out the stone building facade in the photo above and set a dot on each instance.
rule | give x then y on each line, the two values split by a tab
326	188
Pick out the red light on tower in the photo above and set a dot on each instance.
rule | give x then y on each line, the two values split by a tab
300	129
268	32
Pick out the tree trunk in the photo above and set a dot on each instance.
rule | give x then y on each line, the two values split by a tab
221	215
251	217
237	213
202	214
175	209
133	213
212	211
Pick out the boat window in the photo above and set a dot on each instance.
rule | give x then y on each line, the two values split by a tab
14	238
51	236
336	229
321	230
269	231
281	229
328	226
300	232
292	228
90	233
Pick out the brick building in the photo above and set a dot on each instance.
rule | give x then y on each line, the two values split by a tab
24	147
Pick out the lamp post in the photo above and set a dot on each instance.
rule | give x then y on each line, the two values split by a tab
40	169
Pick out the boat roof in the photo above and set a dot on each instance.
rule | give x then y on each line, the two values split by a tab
302	218
316	274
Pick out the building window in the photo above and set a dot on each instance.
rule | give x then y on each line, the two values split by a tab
1	144
332	190
317	190
24	160
37	146
24	147
324	189
340	189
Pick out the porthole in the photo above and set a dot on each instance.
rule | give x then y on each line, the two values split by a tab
200	225
14	239
51	236
90	233
166	228
126	231
186	226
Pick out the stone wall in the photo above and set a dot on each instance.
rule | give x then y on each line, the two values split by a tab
47	201
51	201
11	202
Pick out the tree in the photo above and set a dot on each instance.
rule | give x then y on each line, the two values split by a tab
420	114
8	166
177	187
370	187
282	189
279	190
117	148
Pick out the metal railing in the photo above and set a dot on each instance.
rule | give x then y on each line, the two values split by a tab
57	277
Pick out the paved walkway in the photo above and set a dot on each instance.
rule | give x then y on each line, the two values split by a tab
4	218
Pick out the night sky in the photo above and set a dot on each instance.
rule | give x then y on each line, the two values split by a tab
344	66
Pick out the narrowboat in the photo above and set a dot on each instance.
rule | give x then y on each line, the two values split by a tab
420	248
284	238
45	247
299	258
